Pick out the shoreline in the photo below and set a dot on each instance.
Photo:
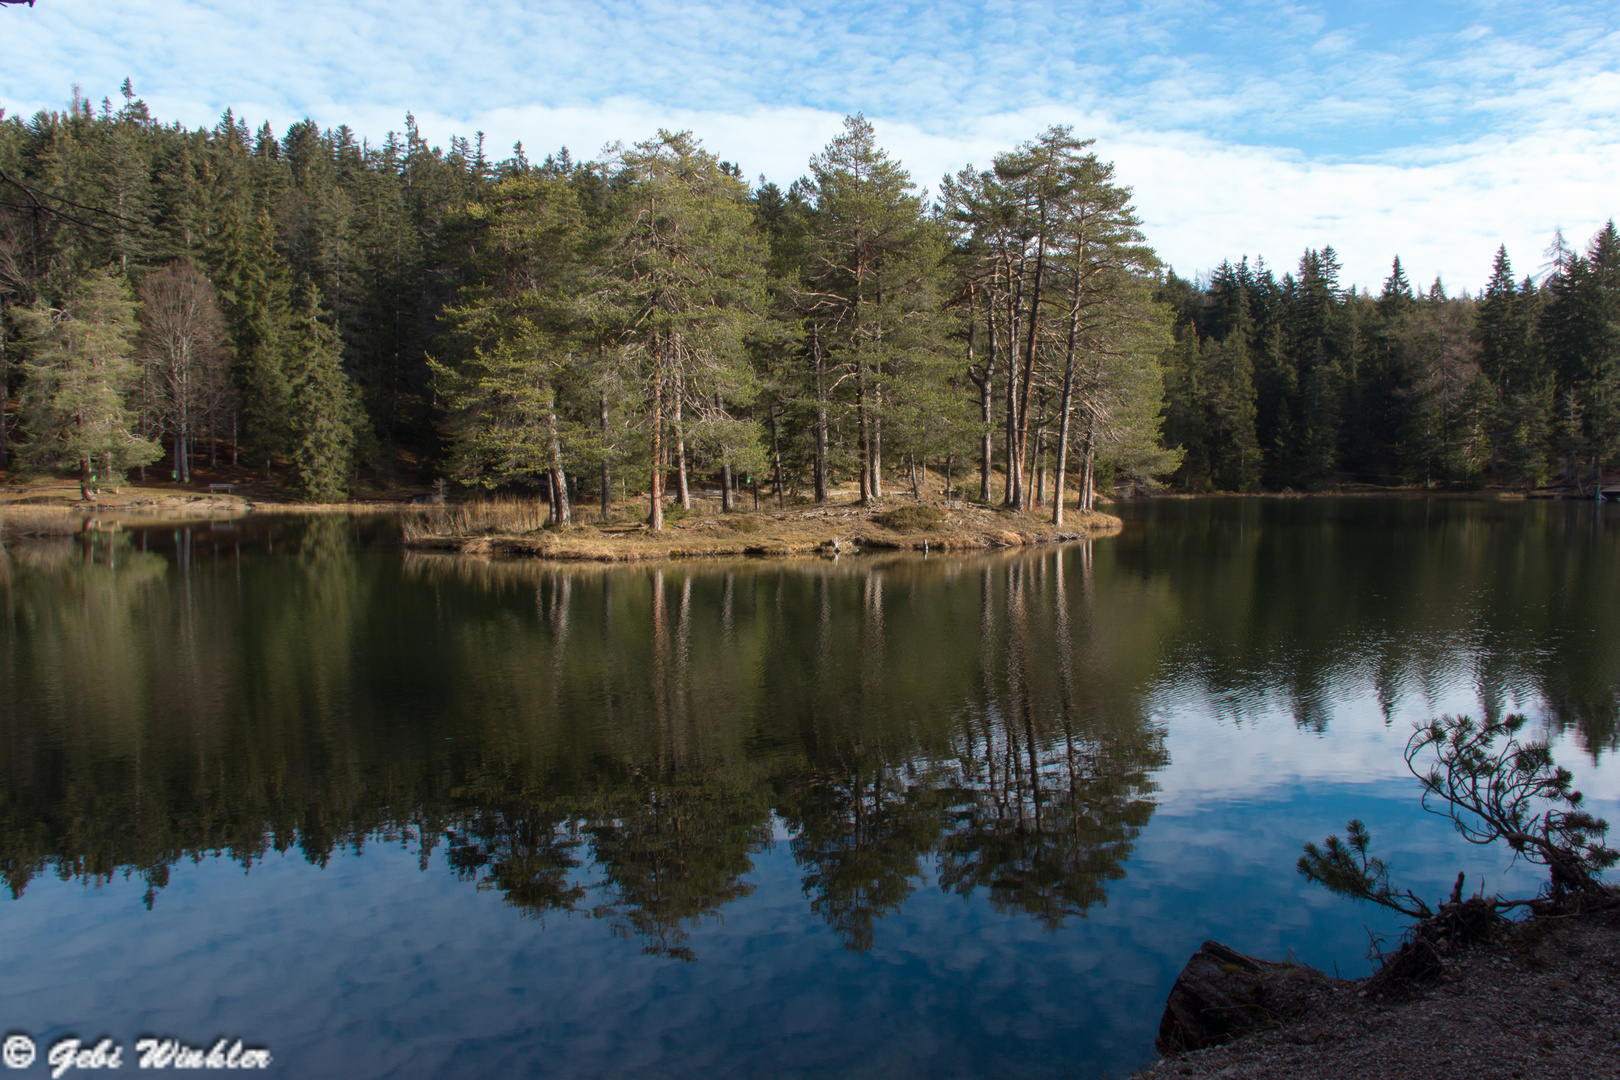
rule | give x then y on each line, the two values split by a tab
832	529
1537	999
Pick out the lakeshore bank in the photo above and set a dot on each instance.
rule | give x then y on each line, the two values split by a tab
899	524
1539	1000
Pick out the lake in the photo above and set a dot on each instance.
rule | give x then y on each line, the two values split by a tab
388	814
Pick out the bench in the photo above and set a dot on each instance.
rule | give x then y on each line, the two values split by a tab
214	489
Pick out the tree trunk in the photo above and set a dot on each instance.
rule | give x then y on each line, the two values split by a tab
821	422
682	486
1028	380
607	469
877	457
1010	495
865	434
84	462
776	458
655	486
1038	464
560	514
1060	478
5	394
725	486
986	385
1088	461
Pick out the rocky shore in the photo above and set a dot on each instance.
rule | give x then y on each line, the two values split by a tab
1536	999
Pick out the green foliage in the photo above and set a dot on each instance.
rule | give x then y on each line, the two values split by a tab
1513	793
520	325
78	372
323	409
838	328
1345	867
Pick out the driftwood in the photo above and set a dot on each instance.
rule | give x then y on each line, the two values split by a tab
1222	994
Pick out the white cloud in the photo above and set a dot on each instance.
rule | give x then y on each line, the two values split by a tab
1244	127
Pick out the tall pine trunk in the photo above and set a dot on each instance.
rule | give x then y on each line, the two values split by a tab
1060	477
986	385
864	433
607	468
560	513
655	486
1010	449
821	421
682	487
877	457
776	465
1027	382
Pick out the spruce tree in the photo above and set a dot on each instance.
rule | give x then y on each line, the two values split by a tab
322	407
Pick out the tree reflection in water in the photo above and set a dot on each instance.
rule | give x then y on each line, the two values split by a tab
621	743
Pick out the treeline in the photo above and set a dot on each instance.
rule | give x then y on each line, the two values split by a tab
1300	382
334	311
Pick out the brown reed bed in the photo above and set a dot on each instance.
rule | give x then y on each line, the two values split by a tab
34	522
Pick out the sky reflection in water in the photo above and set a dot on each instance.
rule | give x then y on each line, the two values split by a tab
744	819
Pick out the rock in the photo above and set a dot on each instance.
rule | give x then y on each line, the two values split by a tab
1222	994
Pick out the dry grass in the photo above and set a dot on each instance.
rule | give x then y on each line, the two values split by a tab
519	527
918	517
37	521
503	516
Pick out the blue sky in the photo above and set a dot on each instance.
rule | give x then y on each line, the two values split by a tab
1434	130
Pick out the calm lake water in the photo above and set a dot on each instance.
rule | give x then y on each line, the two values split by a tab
398	815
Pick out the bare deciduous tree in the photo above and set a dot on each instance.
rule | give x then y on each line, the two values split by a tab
184	353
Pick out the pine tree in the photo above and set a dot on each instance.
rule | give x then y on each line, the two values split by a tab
322	407
78	371
872	276
523	324
689	272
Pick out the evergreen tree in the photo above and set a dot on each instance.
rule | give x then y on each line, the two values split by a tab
871	277
322	407
689	273
1580	326
78	371
1228	379
521	322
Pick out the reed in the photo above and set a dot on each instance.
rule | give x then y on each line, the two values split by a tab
499	516
37	521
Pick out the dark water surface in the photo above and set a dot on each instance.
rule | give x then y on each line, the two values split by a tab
396	815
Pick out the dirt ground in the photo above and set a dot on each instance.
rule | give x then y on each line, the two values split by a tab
1540	1001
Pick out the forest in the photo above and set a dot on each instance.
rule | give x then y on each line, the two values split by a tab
338	316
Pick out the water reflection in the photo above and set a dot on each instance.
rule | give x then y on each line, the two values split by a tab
607	743
621	744
1308	599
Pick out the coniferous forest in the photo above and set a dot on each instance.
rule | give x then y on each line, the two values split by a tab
335	314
